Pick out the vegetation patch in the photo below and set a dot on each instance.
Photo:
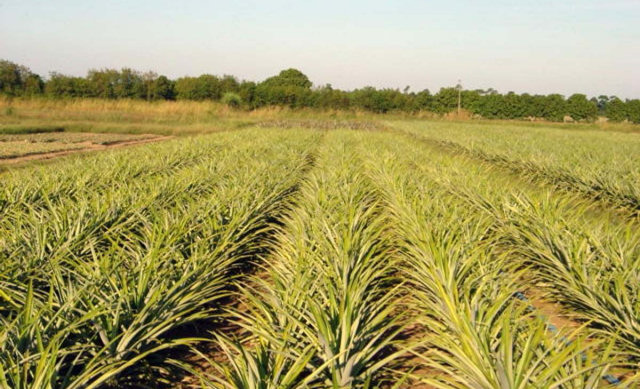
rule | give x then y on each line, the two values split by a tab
29	129
320	124
383	262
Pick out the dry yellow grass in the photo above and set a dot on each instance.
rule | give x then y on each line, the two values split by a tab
194	117
156	112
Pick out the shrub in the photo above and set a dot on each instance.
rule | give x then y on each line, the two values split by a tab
231	99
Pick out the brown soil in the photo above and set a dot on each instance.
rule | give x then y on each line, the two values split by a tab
412	362
212	351
552	311
87	147
557	315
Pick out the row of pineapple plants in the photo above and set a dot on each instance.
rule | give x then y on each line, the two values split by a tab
382	275
576	253
99	278
600	165
323	313
385	264
474	333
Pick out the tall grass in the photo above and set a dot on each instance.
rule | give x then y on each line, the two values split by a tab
197	117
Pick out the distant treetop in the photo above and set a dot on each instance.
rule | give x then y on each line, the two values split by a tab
293	89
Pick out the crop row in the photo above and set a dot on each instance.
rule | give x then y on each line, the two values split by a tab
322	314
381	263
567	247
98	277
392	269
599	164
466	265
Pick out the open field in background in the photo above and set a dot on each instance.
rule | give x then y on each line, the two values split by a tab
73	137
192	117
130	116
9	150
18	148
283	249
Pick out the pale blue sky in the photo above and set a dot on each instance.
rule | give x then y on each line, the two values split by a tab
538	46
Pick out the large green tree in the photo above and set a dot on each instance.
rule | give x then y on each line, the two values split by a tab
616	109
290	87
446	100
60	85
633	110
164	89
580	108
18	80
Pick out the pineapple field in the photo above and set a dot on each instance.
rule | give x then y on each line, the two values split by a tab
325	254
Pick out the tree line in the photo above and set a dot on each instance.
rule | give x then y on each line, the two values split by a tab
293	89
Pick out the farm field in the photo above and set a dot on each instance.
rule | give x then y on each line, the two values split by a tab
72	137
313	253
16	147
597	163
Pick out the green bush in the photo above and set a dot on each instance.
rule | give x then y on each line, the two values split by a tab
231	99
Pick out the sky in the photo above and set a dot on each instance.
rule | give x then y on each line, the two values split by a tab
542	46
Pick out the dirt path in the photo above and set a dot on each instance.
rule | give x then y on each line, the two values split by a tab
88	147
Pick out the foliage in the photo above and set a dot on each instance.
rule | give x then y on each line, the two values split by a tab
462	285
579	108
598	164
292	88
231	99
102	267
17	80
319	258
